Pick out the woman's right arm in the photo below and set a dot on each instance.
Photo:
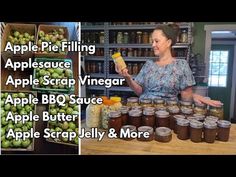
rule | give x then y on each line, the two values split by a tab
132	84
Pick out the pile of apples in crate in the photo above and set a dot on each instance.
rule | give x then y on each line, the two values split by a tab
54	36
64	126
19	126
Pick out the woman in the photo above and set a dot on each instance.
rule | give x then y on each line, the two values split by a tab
166	76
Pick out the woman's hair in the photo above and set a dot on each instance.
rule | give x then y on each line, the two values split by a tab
171	31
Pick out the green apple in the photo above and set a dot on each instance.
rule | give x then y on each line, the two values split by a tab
25	143
5	144
72	125
16	143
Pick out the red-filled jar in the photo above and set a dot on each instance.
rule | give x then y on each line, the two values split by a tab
176	117
148	118
146	102
163	134
210	130
124	134
196	128
162	119
146	129
115	121
223	130
124	114
135	118
183	129
173	111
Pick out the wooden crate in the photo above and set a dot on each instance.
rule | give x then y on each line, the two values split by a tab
31	147
59	141
48	29
22	28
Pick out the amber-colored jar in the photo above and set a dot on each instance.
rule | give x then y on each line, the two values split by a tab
130	70
115	121
138	107
135	118
210	129
162	119
185	104
200	109
176	117
163	134
196	128
130	128
199	117
159	104
187	111
172	104
223	130
135	69
146	129
124	114
211	118
148	118
145	38
173	111
130	52
146	102
217	112
183	129
190	118
139	37
132	101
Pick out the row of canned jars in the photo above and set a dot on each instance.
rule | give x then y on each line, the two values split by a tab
195	127
171	105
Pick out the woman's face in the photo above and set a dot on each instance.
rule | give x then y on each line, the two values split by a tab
160	43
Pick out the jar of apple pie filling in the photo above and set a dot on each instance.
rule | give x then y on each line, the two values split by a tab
217	112
185	104
172	104
173	111
187	111
132	101
146	102
200	108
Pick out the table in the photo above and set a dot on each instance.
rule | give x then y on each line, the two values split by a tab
174	147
